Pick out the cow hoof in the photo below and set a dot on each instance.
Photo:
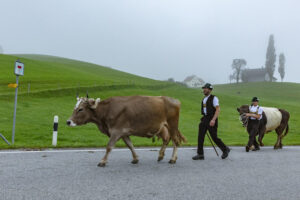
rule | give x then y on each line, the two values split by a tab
101	164
160	158
262	144
172	161
247	149
134	161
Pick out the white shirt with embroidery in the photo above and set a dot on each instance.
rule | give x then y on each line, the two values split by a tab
253	109
215	102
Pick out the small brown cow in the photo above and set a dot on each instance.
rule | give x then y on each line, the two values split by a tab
272	119
121	117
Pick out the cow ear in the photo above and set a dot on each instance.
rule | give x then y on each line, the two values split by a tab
93	103
238	109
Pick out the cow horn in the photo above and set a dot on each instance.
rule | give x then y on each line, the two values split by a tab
77	96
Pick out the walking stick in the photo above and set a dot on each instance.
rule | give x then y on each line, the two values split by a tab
212	144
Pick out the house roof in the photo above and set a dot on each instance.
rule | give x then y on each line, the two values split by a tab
189	78
255	72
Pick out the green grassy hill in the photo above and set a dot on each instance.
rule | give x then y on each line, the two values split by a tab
55	81
50	72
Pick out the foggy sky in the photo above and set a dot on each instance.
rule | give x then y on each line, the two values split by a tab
156	38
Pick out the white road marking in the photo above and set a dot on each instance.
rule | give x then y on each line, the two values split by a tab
121	149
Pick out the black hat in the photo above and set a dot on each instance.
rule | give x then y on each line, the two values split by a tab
208	86
255	99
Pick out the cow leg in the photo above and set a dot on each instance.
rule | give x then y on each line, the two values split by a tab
277	144
280	135
174	154
261	135
280	144
129	144
112	141
164	134
162	150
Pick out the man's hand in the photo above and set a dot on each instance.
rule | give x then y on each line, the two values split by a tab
249	115
212	123
253	115
213	120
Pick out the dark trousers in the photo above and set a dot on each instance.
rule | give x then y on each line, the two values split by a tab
252	128
213	131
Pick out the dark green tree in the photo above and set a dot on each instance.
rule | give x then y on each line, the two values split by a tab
270	58
237	66
281	68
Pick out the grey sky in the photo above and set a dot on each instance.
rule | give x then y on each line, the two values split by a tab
156	38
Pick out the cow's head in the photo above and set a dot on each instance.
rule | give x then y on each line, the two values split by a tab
242	111
83	111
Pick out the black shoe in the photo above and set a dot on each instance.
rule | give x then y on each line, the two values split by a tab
198	157
225	153
257	148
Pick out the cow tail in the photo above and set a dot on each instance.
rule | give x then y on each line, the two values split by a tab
286	130
179	138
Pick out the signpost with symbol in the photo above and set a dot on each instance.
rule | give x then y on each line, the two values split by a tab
19	71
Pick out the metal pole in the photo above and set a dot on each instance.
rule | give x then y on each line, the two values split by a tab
15	110
28	88
213	145
4	139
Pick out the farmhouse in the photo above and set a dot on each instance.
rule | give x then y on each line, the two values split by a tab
255	75
193	81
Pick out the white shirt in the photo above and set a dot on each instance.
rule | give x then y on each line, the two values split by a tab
215	102
253	109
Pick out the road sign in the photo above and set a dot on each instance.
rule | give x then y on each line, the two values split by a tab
19	68
12	85
19	71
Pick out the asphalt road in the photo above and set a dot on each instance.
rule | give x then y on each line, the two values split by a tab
73	174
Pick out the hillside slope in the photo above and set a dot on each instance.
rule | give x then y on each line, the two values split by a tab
54	84
50	72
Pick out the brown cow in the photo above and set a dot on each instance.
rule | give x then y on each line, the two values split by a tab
120	117
273	119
